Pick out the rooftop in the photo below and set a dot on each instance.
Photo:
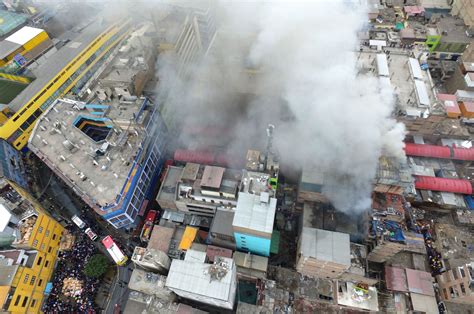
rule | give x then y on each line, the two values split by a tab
9	21
160	238
212	177
326	245
24	35
149	283
195	278
94	146
56	62
255	212
255	183
7	273
7	47
251	261
222	222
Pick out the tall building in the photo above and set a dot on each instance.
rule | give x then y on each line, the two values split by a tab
109	147
108	154
253	222
36	237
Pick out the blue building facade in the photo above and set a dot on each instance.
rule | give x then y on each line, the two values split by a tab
144	172
12	166
252	243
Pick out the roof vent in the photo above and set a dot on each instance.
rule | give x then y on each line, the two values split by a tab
264	197
69	145
43	128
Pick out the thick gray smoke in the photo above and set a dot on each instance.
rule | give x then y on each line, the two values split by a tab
327	116
341	121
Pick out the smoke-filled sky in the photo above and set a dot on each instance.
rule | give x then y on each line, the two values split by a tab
340	121
326	115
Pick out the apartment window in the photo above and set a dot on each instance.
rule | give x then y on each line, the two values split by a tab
40	229
455	274
463	289
35	243
42	247
50	249
46	234
40	282
54	236
25	301
461	271
40	260
27	276
18	297
33	303
32	281
46	264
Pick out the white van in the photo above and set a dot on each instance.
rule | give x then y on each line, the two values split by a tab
91	234
78	221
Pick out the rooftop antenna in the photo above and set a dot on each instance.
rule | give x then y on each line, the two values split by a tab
270	129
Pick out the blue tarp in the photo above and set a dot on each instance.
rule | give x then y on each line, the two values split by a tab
469	201
48	288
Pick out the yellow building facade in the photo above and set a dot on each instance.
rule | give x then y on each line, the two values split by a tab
39	233
23	41
18	125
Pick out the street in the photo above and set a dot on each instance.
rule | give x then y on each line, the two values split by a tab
119	289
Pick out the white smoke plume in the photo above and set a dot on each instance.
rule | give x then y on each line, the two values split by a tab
342	122
327	115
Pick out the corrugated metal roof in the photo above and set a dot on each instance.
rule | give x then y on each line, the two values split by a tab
326	245
194	156
423	150
422	93
436	151
420	282
444	185
415	68
193	277
396	279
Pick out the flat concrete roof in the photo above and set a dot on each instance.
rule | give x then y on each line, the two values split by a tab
160	238
212	177
7	47
56	62
253	214
98	173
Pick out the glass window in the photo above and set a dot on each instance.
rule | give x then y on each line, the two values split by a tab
25	301
27	276
40	260
46	264
33	303
32	281
18	297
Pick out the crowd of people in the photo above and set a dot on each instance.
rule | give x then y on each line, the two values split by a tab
71	264
434	257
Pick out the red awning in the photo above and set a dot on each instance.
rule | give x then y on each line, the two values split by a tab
422	150
443	185
436	151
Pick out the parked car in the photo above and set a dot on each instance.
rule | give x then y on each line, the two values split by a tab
78	221
91	234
